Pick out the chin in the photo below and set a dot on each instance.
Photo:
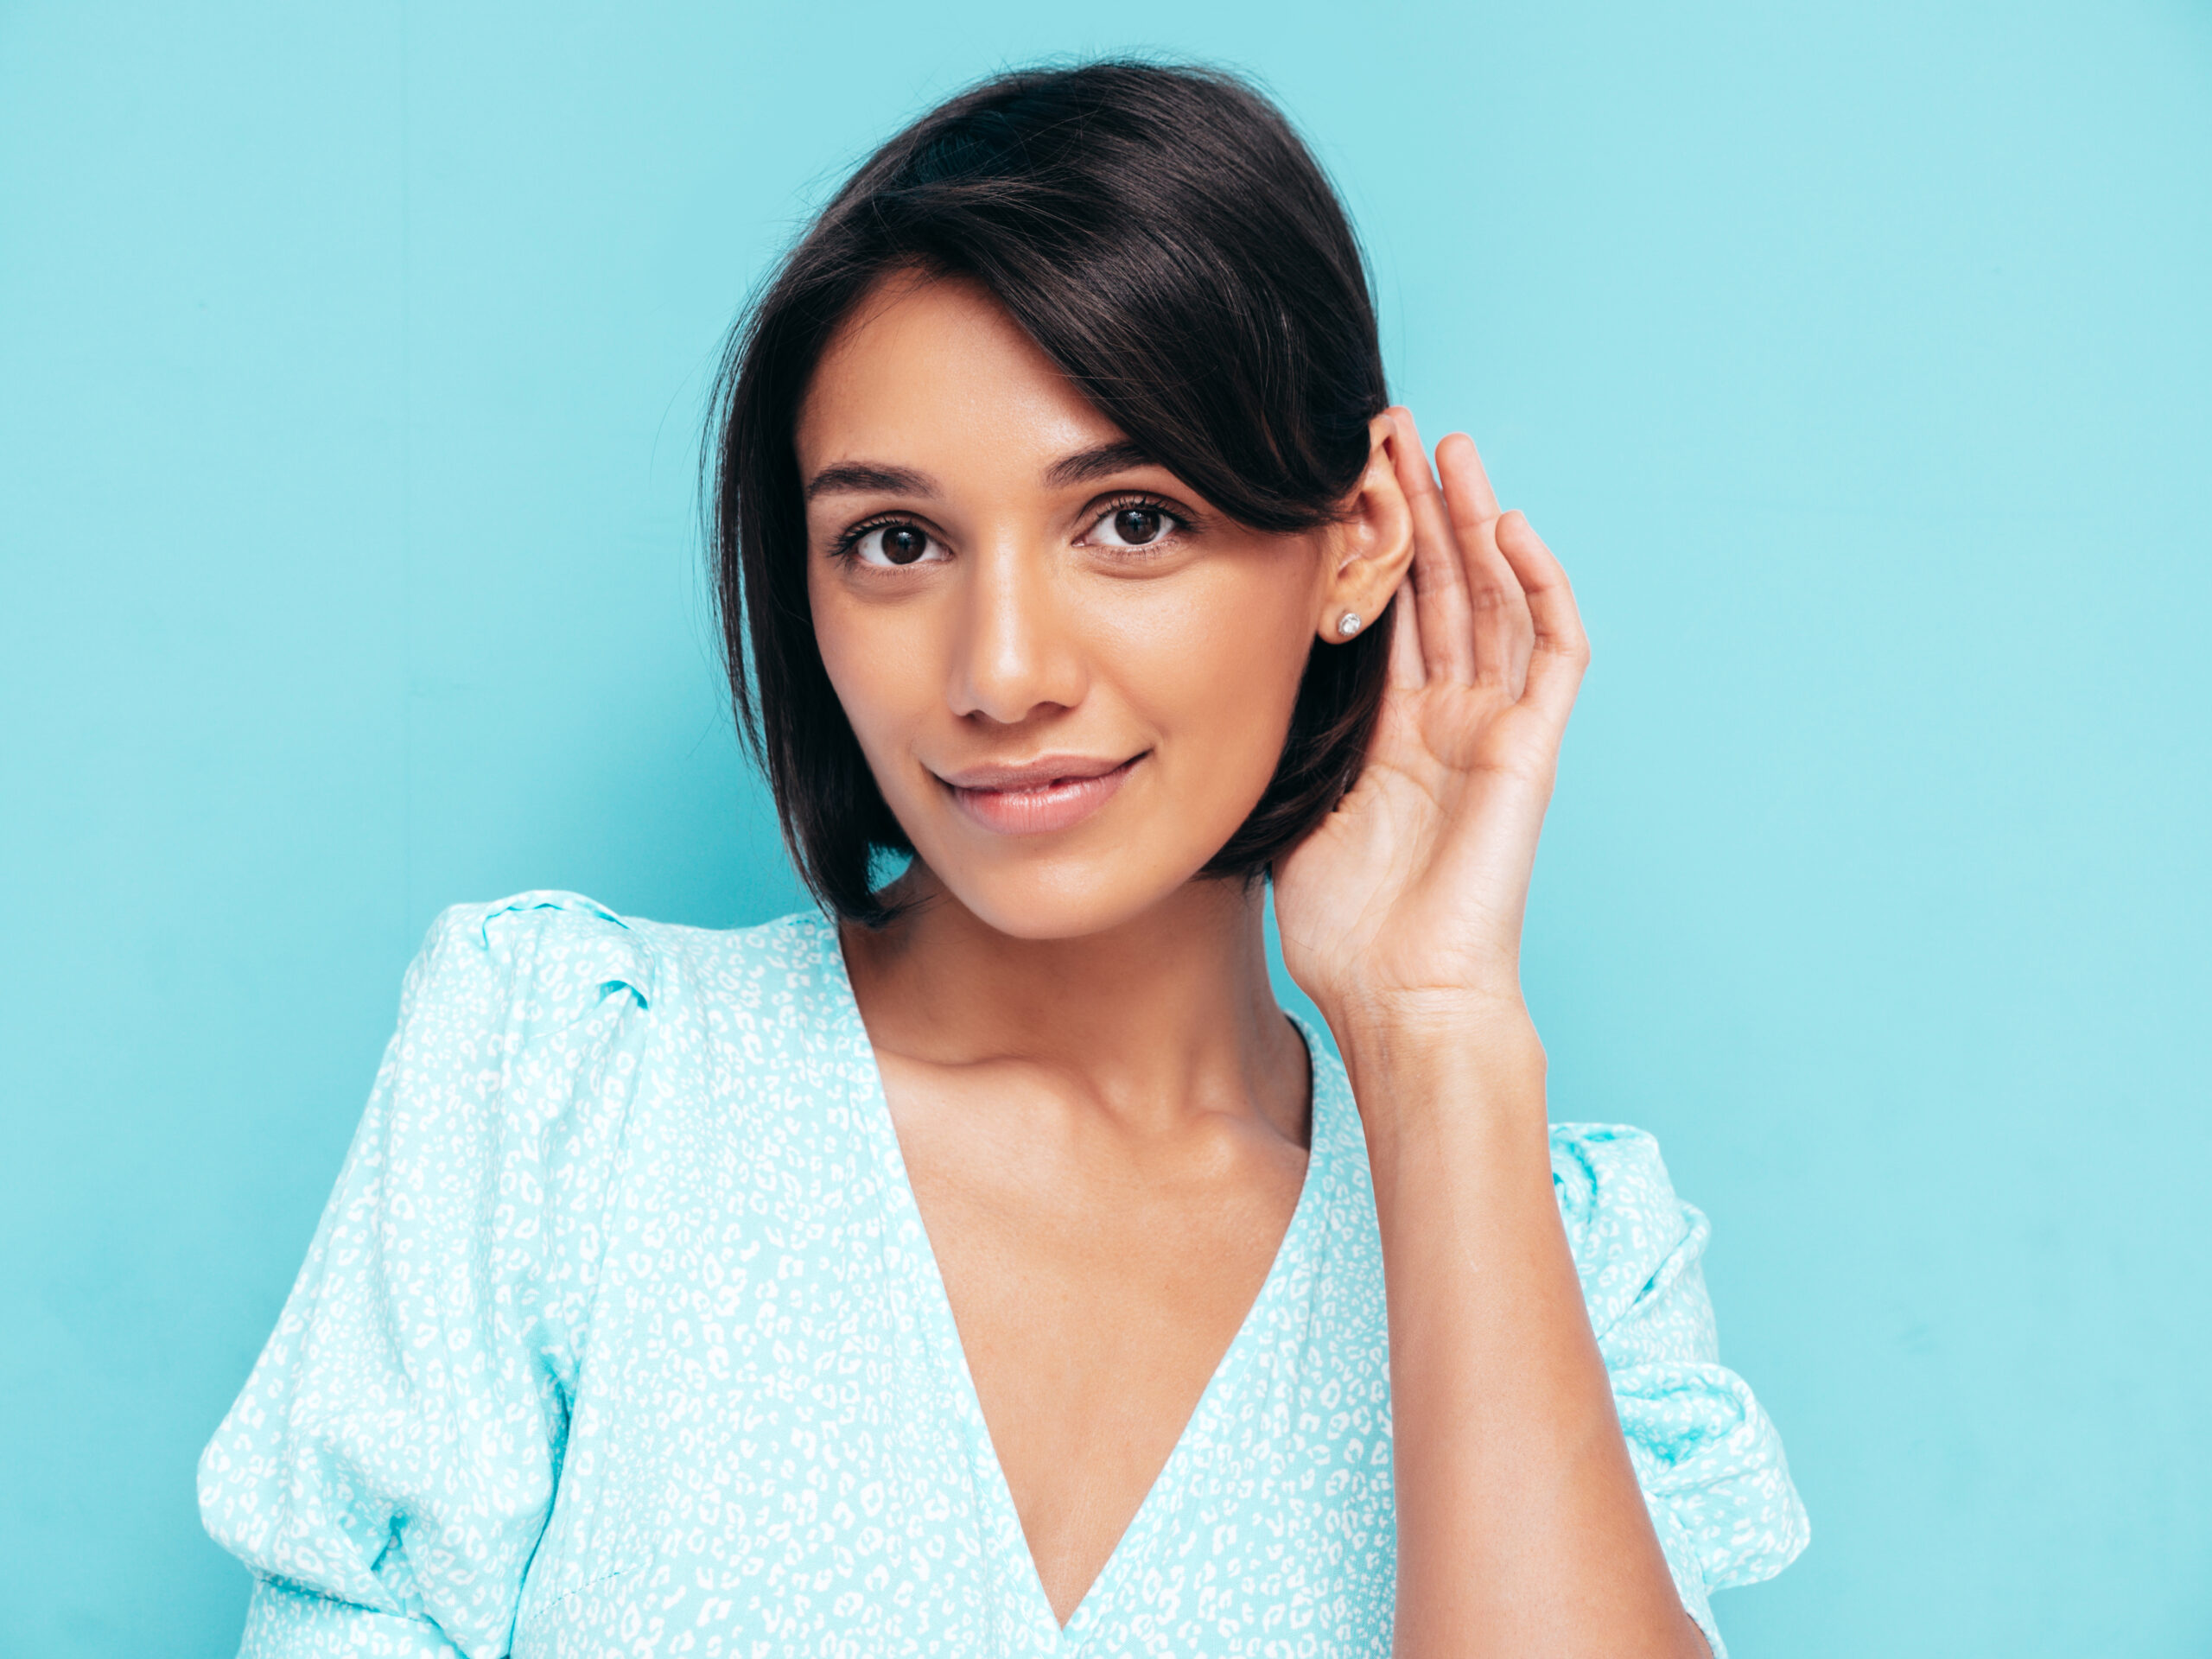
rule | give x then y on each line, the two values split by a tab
1058	898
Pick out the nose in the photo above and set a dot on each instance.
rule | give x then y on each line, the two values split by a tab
1015	657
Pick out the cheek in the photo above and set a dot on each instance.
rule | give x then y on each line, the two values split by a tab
883	690
1216	671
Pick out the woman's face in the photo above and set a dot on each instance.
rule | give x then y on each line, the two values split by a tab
1071	676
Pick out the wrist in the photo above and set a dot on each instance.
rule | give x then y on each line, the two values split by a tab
1429	1082
1398	1028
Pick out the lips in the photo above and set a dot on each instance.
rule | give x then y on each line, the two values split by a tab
1053	792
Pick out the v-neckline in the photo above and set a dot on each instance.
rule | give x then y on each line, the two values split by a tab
873	1103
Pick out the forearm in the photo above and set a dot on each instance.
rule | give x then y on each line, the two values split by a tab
1520	1527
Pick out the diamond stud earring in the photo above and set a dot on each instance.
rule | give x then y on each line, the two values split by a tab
1347	624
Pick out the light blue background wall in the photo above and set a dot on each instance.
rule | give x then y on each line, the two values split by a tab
1859	361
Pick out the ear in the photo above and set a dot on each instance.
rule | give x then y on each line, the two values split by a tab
1372	543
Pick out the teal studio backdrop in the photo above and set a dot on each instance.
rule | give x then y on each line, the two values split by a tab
1857	360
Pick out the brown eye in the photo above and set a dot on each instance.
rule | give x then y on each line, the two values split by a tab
1137	525
897	545
1133	526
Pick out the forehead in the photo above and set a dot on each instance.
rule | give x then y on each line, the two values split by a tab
931	373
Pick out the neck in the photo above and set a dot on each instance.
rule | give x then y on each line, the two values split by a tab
1164	1015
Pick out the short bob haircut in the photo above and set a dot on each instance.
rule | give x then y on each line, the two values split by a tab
1168	241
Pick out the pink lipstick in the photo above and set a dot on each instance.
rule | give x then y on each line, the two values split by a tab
1055	792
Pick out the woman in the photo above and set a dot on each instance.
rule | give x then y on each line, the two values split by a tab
992	1267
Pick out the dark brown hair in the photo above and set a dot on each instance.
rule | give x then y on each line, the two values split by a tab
1168	241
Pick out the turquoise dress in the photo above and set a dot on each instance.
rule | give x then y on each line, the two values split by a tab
621	1335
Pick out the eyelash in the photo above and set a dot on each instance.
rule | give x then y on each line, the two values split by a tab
842	548
1179	523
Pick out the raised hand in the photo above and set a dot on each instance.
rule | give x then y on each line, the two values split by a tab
1521	1526
1406	903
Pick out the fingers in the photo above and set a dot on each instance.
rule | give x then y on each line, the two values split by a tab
1500	628
1467	613
1407	671
1466	463
1445	638
1559	650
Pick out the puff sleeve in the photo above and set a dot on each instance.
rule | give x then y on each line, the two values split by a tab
1707	1458
388	1468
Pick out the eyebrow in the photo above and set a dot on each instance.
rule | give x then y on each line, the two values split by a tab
873	478
1103	462
869	478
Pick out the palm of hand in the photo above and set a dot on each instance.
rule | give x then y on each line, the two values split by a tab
1409	896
